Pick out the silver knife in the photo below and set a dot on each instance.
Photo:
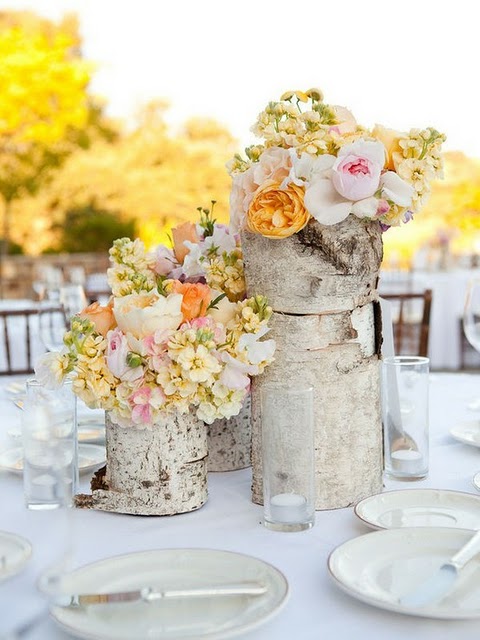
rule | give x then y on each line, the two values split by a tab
152	594
439	584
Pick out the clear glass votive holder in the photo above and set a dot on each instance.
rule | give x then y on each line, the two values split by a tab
50	449
288	456
405	416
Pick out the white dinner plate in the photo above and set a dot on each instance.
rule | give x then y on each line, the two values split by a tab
467	431
89	431
206	618
90	458
14	554
420	508
476	481
379	568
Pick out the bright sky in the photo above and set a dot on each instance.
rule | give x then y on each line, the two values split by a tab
408	63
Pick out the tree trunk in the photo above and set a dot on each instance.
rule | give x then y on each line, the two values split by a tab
321	284
162	471
229	441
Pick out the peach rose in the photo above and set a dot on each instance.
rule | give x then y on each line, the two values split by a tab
390	140
102	317
196	298
276	212
186	231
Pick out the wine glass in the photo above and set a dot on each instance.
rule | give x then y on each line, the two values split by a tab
471	324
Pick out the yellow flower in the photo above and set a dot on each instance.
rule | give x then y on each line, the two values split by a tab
391	141
277	213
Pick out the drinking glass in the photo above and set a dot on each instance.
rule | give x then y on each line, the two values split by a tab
50	456
471	324
288	456
405	416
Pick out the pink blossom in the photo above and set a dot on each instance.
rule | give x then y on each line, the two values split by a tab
116	356
356	171
143	402
164	261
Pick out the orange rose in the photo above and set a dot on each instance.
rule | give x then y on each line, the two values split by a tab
390	139
276	212
102	317
196	298
186	231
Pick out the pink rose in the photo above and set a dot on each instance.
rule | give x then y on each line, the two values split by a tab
117	351
356	171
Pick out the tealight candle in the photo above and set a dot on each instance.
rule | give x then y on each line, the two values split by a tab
289	508
407	461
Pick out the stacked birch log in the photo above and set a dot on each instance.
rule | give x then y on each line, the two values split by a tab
322	286
162	471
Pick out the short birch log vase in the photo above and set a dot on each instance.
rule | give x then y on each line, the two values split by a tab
159	472
230	441
322	286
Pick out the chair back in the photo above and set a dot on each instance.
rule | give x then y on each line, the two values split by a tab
411	321
20	343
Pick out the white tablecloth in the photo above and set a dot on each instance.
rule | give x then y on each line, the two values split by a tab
316	608
448	290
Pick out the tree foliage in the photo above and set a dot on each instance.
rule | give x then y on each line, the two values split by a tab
150	173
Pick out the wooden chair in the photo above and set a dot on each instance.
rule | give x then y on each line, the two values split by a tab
411	321
16	336
20	343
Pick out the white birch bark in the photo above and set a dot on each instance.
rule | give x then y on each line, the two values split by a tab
321	284
229	441
162	471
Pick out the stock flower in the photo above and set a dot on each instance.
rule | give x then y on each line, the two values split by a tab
143	401
186	231
195	300
143	314
102	317
276	212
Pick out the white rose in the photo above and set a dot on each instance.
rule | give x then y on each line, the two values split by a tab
143	314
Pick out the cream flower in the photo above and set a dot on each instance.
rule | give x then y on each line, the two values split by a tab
198	363
143	314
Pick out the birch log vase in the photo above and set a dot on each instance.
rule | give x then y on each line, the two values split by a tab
162	471
229	441
321	284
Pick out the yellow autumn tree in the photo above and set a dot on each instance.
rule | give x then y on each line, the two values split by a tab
43	98
152	174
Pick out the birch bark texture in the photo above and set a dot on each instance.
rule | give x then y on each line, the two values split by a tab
322	286
229	441
162	471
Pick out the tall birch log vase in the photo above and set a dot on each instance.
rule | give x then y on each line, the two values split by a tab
162	471
322	286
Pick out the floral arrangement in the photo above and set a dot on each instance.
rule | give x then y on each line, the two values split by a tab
169	339
317	163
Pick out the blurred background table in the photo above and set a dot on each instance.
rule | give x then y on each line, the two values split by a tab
447	347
